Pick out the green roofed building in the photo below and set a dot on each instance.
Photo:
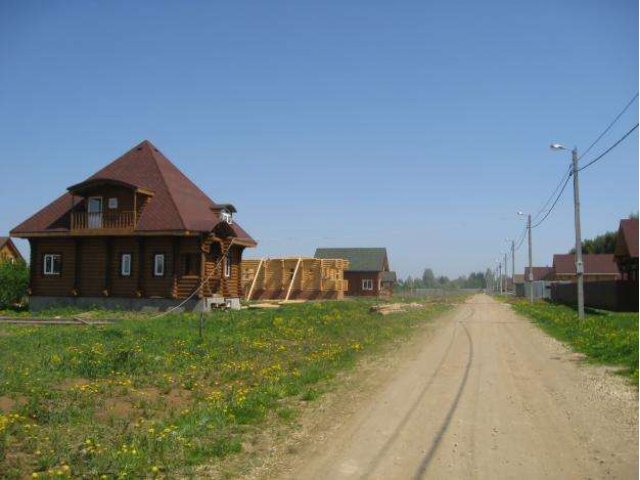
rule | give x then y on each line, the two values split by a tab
368	273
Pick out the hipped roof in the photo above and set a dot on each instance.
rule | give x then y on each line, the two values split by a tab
177	204
539	273
601	263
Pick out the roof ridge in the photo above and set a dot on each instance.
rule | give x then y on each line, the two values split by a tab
153	150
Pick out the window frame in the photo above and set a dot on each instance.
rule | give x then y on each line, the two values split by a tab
112	203
51	273
228	262
156	257
367	284
122	270
192	260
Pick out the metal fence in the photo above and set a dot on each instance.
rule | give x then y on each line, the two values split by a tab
541	290
621	296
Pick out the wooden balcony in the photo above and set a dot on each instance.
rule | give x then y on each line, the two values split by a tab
102	223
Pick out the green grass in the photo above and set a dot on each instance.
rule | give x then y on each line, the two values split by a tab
146	398
608	338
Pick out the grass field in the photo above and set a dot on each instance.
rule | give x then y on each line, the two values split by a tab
147	398
609	338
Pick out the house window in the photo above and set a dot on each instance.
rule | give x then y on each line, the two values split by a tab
158	265
113	203
52	264
125	265
367	284
227	265
191	264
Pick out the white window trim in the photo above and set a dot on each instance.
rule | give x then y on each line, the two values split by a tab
367	284
158	265
113	203
48	263
227	265
125	264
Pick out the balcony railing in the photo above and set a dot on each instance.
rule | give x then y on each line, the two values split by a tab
85	221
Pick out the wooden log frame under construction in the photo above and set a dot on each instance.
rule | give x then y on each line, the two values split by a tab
294	278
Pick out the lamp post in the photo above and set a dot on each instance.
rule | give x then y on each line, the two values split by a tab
530	276
576	215
513	266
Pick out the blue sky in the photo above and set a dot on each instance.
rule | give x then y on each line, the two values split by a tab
420	126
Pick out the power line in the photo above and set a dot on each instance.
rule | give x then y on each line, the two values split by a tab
521	240
559	190
599	157
569	173
554	203
546	204
609	126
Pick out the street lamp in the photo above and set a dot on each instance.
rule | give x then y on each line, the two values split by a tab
506	270
530	278
576	211
513	265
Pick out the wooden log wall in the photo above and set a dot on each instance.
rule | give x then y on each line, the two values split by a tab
273	278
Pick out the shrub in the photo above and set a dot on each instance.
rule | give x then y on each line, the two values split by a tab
14	281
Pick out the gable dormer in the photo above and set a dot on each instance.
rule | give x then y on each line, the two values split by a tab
107	204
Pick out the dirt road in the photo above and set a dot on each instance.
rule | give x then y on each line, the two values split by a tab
484	395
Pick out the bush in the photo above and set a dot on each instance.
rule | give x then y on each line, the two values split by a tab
14	281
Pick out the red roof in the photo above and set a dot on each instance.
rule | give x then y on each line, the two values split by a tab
539	273
627	241
177	204
594	264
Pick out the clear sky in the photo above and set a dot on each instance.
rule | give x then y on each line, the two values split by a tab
422	126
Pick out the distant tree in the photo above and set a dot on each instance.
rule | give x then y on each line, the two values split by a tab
14	281
475	280
443	280
605	243
428	278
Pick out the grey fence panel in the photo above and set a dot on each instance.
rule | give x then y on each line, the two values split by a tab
618	295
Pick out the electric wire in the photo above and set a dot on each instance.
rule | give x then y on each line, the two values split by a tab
633	99
603	154
555	202
551	197
521	240
559	190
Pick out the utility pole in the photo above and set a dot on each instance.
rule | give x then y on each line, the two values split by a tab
506	274
530	260
513	266
500	276
576	205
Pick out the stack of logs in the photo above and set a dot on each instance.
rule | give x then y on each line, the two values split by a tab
294	278
389	308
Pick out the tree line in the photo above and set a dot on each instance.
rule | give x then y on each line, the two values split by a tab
604	243
475	280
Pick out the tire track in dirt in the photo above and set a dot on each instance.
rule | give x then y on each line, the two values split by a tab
484	394
426	461
410	412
